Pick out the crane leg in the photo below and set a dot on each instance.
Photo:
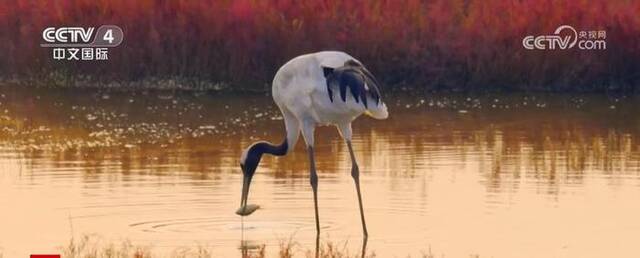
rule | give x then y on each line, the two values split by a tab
313	178
355	173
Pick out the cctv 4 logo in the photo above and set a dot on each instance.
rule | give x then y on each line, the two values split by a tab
106	36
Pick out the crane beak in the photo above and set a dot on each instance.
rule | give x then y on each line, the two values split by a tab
248	166
246	209
245	190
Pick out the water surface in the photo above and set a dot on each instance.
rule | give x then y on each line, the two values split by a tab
454	175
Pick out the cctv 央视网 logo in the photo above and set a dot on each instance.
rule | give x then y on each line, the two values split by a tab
80	43
566	37
568	40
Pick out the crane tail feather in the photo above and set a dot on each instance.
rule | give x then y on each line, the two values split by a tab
354	76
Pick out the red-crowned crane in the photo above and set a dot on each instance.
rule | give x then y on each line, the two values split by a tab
323	88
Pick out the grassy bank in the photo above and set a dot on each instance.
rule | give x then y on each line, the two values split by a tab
418	44
92	247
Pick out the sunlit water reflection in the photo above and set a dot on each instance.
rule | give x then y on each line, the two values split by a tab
497	176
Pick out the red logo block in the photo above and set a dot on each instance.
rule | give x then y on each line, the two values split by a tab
44	256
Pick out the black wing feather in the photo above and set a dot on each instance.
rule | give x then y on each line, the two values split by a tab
343	87
330	91
354	81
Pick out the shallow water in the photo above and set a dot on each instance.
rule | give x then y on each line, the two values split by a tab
496	176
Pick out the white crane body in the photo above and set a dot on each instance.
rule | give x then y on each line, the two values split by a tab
323	88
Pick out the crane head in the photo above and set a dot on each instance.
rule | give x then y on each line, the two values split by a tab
249	163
